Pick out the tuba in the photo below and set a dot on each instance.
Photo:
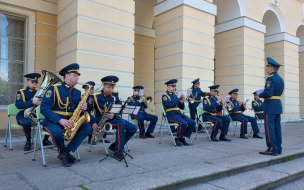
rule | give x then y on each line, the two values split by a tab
75	120
49	79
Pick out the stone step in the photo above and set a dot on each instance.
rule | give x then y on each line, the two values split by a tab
261	175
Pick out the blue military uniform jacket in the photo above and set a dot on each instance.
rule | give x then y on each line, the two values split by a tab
237	109
172	104
134	101
274	88
211	106
103	103
24	98
59	101
196	94
257	105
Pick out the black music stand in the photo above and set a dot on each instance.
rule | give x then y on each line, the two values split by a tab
122	109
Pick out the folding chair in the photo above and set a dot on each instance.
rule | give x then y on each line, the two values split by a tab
165	124
39	134
134	121
199	120
259	121
12	110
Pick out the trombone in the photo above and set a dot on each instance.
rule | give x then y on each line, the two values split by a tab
146	101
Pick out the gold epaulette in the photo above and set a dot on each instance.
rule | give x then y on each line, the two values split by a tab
167	96
22	89
58	84
115	91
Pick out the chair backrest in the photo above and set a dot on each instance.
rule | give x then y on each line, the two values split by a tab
12	110
199	110
164	112
38	114
186	109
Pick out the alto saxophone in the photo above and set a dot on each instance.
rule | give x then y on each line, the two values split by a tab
75	120
103	126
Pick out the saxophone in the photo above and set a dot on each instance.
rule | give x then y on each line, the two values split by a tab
76	120
103	126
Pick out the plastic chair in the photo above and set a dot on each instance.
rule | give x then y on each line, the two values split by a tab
134	121
206	124
39	134
12	110
259	121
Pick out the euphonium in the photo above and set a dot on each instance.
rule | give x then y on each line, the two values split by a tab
75	120
48	80
103	126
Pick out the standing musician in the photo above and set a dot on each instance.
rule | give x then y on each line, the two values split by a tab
172	105
57	106
274	88
212	105
103	101
23	101
258	106
236	113
90	105
142	115
196	95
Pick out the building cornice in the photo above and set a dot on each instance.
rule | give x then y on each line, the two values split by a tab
282	37
165	6
144	31
240	22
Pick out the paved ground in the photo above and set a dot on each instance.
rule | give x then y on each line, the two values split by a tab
153	165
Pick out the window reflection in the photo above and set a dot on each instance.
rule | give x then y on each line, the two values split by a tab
12	57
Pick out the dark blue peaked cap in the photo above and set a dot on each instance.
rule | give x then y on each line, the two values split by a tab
88	83
138	87
233	91
254	92
72	68
195	81
32	76
273	62
214	87
111	80
171	82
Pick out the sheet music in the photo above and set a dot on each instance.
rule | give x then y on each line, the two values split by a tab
260	91
131	110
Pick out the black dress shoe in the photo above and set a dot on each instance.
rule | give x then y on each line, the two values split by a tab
268	153
177	142
223	138
27	146
242	136
142	136
214	139
183	140
148	135
112	147
64	158
118	155
93	142
257	136
280	152
71	159
173	129
47	143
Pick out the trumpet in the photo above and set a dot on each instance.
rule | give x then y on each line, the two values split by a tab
225	105
146	101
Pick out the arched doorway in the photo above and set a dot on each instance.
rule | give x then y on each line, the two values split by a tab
283	47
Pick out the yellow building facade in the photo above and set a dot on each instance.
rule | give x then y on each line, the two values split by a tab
148	42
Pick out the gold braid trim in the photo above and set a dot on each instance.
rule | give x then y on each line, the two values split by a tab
60	104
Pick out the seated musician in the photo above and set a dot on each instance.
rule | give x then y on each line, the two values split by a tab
102	102
212	105
117	101
24	100
236	114
142	115
258	106
58	104
172	105
196	95
90	105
